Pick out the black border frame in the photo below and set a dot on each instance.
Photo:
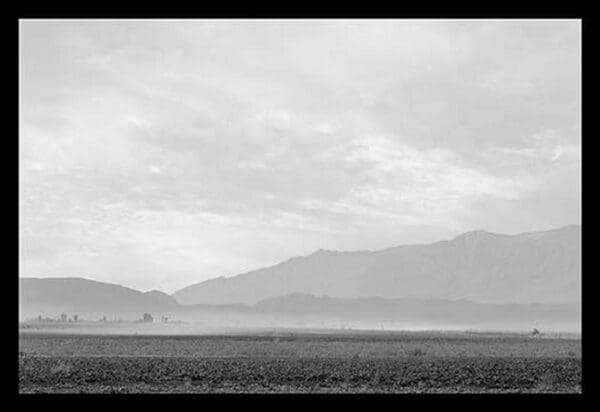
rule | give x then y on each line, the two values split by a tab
334	400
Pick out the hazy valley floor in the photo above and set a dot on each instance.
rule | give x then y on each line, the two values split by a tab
299	362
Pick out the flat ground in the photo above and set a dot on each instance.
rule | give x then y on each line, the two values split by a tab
299	362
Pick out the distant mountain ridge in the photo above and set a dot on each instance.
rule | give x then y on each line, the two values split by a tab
89	297
476	280
444	314
91	300
534	267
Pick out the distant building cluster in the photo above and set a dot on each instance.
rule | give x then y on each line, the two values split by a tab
147	318
64	318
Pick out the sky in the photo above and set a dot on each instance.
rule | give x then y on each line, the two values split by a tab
158	154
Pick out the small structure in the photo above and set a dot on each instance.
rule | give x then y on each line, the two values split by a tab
147	318
75	318
535	332
63	317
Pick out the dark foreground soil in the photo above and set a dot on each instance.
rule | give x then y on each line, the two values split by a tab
171	374
306	364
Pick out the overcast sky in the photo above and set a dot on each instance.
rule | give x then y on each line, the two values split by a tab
157	154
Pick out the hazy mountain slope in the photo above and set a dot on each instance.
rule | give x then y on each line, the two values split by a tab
87	298
539	267
92	300
409	313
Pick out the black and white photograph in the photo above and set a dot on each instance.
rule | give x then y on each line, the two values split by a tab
299	206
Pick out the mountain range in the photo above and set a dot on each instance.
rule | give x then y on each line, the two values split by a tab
53	296
537	267
478	280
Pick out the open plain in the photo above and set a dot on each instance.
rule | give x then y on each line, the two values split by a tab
299	362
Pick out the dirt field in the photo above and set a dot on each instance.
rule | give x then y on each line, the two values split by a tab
299	362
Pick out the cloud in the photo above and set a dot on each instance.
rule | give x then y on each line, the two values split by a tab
418	186
548	145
